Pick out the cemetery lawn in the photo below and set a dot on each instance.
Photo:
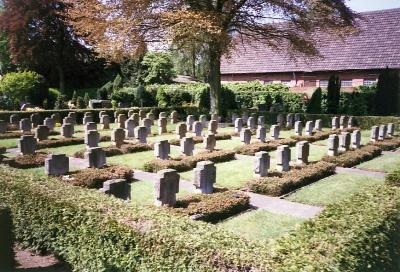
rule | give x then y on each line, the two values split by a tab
170	127
333	189
155	139
385	163
142	193
261	225
232	174
9	143
69	150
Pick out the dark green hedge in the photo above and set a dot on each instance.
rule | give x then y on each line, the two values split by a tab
7	261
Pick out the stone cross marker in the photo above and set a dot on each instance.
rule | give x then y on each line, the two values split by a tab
187	146
25	125
174	117
251	123
343	121
261	133
141	134
275	132
333	145
96	157
35	119
101	113
197	128
318	125
298	128
280	120
181	130
56	165
118	137
162	114
14	119
67	130
351	122
27	145
150	116
90	126
147	123
130	128
390	130
233	118
309	128
209	142
56	117
335	123
238	125
73	117
136	118
142	114
121	120
42	132
290	120
302	152
356	139
245	116
105	121
92	138
49	122
297	117
261	121
261	164
3	126
283	158
118	188
68	120
382	132
189	122
87	119
374	133
162	150
345	141
204	176
162	125
245	136
213	126
166	187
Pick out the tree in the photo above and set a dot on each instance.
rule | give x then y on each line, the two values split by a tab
387	92
74	98
217	24
40	39
314	106
333	99
80	103
86	99
157	68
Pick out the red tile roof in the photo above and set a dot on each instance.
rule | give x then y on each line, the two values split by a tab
376	46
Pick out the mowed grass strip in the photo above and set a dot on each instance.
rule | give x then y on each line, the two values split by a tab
385	163
261	225
333	189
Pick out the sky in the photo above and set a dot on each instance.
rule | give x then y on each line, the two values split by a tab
368	5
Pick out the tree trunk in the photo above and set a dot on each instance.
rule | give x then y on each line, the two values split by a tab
61	78
214	79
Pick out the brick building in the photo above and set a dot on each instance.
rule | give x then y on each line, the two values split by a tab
358	59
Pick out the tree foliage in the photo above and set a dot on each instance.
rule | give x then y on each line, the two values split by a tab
158	68
387	92
334	85
314	105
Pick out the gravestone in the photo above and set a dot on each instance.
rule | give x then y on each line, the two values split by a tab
92	138
87	119
283	158
343	121
298	128
318	125
162	125
96	157
261	133
150	116
181	130
197	128
309	128
105	121
374	133
147	123
382	132
245	136
203	120
187	146
142	114
238	125
213	126
251	123
209	142
56	117
162	114
130	113
166	187
101	113
344	141
49	122
390	130
27	145
189	122
356	139
3	126
333	145
351	122
335	123
67	130
297	117
73	117
118	188
136	118
174	117
261	121
204	177
274	130
14	119
42	132
118	137
141	134
35	119
280	120
25	125
245	116
162	150
233	118
121	120
302	152
90	126
56	165
68	120
130	128
261	164
290	120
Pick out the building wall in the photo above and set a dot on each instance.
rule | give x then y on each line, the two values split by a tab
301	79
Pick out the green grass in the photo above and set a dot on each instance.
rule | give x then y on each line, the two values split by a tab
233	174
385	163
261	225
333	189
142	193
9	143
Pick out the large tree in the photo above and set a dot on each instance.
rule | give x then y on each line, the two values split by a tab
40	39
116	27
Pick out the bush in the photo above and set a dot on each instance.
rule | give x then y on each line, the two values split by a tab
80	103
197	140
52	98
212	207
314	106
287	182
18	85
253	148
61	103
388	144
114	151
125	95
317	136
158	68
59	142
393	178
7	261
353	157
27	161
94	178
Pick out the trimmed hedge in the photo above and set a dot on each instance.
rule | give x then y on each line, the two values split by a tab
253	148
286	182
115	151
212	207
388	144
200	139
353	157
94	178
27	161
187	163
50	143
7	261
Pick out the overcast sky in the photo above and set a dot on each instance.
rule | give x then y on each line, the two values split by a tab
367	5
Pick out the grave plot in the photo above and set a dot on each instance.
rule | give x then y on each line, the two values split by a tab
386	163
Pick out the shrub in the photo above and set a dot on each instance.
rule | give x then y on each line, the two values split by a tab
222	136
18	85
353	157
7	261
52	98
27	161
80	103
253	148
314	105
158	68
393	178
388	144
115	151
287	182
59	142
125	95
61	103
94	178
212	207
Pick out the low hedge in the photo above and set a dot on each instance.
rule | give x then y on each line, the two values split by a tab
212	207
94	178
286	182
253	148
7	261
354	157
320	135
50	143
388	144
18	134
200	139
187	163
27	161
115	151
393	178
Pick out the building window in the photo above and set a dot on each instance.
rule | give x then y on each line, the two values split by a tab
369	82
323	83
286	82
347	83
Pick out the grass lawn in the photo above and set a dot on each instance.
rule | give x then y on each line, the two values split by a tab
9	143
232	174
333	189
137	160
385	163
155	139
142	193
69	150
261	225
